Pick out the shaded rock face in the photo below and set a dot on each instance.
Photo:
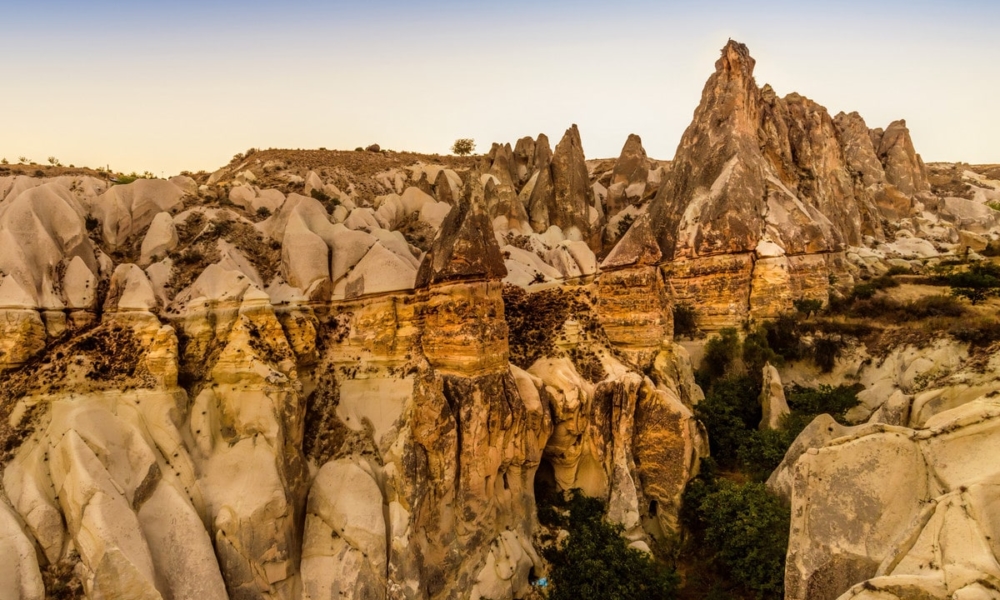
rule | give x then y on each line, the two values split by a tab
465	248
562	196
629	177
912	510
903	166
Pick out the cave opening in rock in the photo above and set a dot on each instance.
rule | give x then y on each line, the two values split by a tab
545	484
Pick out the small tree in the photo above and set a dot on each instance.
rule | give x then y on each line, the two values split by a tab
977	284
54	161
463	146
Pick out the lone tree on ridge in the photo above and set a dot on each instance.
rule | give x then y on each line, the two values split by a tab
463	146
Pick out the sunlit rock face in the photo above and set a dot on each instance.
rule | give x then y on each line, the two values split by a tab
763	189
291	379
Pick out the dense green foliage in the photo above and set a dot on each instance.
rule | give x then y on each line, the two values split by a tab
730	412
979	282
742	529
595	560
463	146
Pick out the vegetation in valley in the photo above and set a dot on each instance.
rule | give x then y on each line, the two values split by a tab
595	561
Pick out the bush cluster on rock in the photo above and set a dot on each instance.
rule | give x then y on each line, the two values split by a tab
595	560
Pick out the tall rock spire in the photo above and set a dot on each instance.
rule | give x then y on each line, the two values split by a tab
465	248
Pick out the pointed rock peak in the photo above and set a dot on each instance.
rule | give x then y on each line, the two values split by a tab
473	191
637	247
735	58
543	151
631	150
442	187
570	139
465	248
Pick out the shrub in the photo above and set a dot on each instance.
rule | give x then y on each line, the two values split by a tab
935	306
730	411
898	270
756	352
747	527
762	451
596	562
54	161
807	307
721	354
784	336
981	281
463	146
835	401
982	333
263	212
685	322
624	223
825	353
533	321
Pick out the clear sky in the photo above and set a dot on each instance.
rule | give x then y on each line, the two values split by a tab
187	84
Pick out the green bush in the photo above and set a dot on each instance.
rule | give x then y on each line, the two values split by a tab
825	353
807	307
730	411
977	333
721	354
596	562
463	146
898	270
784	336
835	401
747	527
756	352
762	451
980	282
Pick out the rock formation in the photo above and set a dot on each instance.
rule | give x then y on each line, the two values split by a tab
292	379
628	179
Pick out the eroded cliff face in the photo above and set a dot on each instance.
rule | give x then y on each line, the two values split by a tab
309	380
766	193
175	434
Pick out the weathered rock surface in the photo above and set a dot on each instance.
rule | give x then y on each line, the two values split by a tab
629	177
772	399
309	390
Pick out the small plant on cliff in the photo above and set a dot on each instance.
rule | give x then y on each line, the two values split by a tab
596	562
463	146
808	307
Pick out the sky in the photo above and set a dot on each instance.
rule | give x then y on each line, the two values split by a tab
185	85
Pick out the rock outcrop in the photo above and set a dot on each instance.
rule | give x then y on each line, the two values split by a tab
320	380
629	177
